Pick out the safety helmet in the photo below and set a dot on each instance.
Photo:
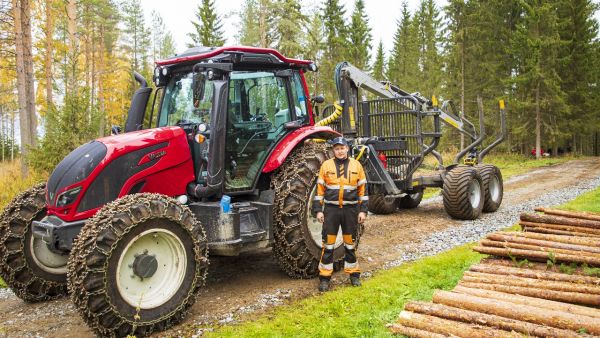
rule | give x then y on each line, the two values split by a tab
339	140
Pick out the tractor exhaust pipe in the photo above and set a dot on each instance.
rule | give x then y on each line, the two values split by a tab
137	110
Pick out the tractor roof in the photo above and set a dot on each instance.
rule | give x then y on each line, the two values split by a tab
236	54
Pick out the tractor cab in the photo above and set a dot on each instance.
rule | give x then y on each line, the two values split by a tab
236	106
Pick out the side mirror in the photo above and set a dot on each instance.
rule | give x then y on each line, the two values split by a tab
317	99
115	130
198	84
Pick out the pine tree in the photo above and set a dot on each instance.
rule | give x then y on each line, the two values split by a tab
336	44
360	36
403	62
379	64
163	44
288	27
208	26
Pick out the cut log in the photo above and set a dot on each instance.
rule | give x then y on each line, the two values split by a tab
531	301
572	214
559	296
466	316
449	327
537	248
537	218
510	237
562	227
412	332
543	230
526	313
531	273
578	270
536	255
557	238
488	278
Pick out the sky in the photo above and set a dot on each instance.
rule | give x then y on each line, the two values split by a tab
383	15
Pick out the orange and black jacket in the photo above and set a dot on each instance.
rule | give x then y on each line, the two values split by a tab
341	183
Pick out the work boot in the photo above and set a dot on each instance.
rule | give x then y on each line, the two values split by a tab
324	285
355	280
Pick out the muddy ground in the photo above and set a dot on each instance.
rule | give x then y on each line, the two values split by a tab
242	288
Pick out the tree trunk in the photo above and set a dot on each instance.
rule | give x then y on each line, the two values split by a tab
414	333
73	41
593	216
562	220
539	228
537	255
542	243
25	81
529	301
462	83
532	314
531	273
493	321
538	123
48	55
560	239
100	78
449	327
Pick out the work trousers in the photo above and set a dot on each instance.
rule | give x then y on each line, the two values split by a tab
347	218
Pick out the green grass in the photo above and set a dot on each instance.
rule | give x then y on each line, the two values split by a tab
363	311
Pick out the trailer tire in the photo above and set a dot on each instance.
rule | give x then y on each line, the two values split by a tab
131	245
20	267
297	236
380	205
463	193
493	186
411	201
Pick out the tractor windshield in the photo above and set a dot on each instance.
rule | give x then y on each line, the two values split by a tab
178	106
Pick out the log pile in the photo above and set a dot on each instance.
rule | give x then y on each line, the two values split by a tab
542	282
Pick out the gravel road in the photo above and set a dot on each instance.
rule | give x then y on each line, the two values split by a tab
242	288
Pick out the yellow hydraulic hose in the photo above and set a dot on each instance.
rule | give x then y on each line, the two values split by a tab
334	116
360	153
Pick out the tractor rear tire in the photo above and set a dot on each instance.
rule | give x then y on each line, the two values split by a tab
30	269
411	201
380	205
138	265
297	235
463	193
493	189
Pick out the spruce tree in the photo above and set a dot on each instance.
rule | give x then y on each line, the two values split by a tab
379	64
403	62
208	27
360	36
288	27
248	34
336	44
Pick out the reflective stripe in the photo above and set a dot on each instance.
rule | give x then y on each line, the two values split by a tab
350	265
346	187
333	187
321	182
349	246
326	266
343	203
329	246
364	198
361	182
319	198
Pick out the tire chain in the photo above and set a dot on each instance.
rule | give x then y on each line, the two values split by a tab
90	256
15	221
293	184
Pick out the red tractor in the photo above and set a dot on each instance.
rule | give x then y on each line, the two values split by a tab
125	223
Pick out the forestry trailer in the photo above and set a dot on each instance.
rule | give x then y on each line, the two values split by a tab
125	223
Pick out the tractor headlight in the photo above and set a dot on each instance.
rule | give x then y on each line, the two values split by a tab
67	197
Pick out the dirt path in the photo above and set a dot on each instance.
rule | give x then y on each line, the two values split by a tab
240	288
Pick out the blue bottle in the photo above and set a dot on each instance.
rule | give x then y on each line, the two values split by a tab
225	203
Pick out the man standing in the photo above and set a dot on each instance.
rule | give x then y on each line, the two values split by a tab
341	200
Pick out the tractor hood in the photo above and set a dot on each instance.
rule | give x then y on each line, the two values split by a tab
98	172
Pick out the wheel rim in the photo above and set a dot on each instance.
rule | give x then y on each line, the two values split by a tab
474	193
45	259
153	291
414	196
494	188
316	228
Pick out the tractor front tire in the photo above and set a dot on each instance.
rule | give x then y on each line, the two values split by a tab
411	200
30	269
297	235
138	265
463	193
493	186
